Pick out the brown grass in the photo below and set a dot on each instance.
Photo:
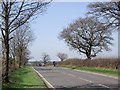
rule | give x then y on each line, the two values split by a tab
107	63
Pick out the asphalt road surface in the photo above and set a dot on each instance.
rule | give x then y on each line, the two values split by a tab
68	78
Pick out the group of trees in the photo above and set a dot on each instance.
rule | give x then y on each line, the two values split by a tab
14	15
46	58
92	34
22	37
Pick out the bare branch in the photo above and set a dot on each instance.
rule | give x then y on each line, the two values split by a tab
88	36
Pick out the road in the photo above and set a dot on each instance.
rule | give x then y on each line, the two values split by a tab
68	78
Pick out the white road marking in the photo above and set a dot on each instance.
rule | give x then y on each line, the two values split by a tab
97	74
50	86
85	80
92	73
71	75
57	71
105	86
46	82
79	78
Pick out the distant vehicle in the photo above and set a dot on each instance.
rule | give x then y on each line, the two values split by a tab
39	65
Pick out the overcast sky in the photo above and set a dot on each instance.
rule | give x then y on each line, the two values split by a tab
47	27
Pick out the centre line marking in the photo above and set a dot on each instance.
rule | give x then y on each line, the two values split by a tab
79	78
85	80
71	75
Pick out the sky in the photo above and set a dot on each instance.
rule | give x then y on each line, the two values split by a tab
47	27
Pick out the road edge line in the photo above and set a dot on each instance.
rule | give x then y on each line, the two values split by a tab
114	77
44	80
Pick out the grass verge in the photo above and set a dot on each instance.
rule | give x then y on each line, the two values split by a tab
24	78
94	70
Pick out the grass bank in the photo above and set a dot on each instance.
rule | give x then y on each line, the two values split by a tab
94	70
24	78
107	63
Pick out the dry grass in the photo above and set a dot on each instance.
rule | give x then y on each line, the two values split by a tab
107	63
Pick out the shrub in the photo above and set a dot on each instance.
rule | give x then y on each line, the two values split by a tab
107	63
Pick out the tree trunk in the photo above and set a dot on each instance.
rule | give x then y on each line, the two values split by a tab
88	52
20	61
44	62
61	60
20	57
6	39
14	63
88	55
7	56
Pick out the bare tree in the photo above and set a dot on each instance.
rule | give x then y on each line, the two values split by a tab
13	46
19	45
0	46
15	14
26	56
62	56
45	58
109	11
23	37
88	36
0	49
